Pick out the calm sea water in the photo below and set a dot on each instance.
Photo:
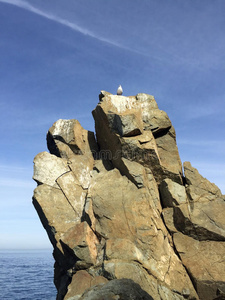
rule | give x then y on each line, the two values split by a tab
26	275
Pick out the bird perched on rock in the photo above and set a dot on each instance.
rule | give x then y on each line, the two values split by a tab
120	90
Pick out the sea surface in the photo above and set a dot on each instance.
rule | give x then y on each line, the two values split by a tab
27	275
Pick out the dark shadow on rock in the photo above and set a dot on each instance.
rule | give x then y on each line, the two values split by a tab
121	289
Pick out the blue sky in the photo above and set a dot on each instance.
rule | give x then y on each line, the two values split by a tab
56	56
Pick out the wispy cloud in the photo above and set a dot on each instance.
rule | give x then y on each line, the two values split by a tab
198	110
14	169
16	176
170	48
31	8
17	183
202	143
202	111
71	25
211	147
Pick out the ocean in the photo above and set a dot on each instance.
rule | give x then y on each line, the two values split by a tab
27	275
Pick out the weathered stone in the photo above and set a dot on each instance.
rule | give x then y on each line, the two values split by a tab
143	150
120	104
133	271
56	215
168	217
169	155
55	212
125	289
106	200
158	122
68	137
47	168
199	188
83	243
89	214
82	281
117	249
73	192
203	221
137	173
81	166
204	262
101	165
172	193
126	124
153	191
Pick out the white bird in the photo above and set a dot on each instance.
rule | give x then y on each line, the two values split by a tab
120	90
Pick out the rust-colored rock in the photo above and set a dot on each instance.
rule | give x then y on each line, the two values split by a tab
82	243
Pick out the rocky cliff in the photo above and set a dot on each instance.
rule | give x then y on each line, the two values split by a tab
126	221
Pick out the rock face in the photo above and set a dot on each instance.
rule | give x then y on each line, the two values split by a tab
123	219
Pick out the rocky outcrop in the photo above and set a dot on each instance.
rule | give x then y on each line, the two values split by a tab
123	219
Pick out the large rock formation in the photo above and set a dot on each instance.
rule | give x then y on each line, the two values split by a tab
124	220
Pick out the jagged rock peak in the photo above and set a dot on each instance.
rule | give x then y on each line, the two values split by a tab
124	222
135	129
